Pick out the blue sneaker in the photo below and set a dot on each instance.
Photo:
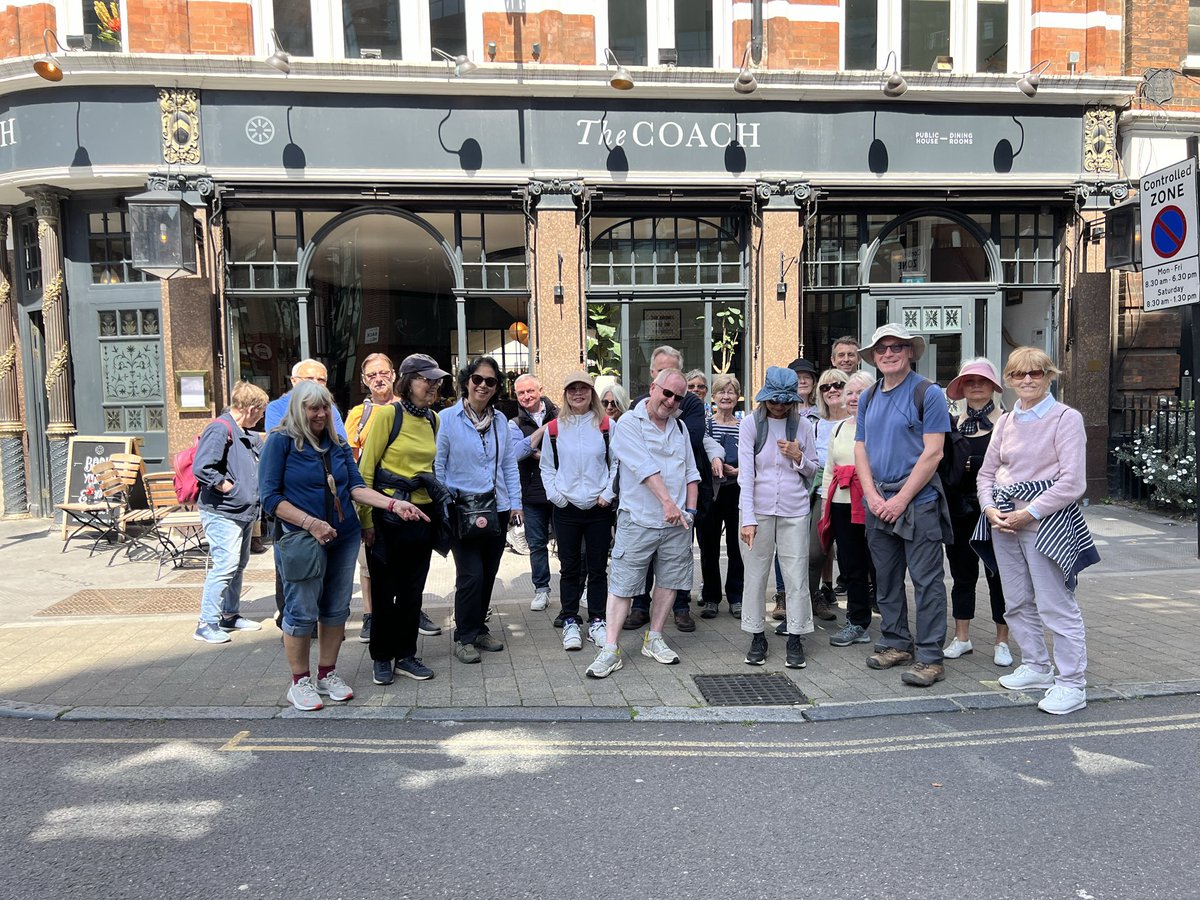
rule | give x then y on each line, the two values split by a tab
382	671
209	633
414	668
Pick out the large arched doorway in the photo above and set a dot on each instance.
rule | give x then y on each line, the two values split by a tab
378	282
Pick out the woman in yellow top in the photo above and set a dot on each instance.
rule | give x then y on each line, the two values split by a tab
378	377
399	551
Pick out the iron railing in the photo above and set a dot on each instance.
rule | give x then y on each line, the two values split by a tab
1164	421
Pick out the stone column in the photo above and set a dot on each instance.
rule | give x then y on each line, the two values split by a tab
777	316
61	405
555	329
12	429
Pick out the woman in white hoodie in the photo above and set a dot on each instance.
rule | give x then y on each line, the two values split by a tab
578	470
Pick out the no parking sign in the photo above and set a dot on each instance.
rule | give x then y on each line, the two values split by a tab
1170	256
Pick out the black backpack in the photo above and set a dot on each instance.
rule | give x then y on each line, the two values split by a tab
955	451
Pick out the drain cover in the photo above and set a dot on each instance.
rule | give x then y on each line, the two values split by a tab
749	690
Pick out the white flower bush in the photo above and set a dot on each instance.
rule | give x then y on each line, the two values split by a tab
1167	469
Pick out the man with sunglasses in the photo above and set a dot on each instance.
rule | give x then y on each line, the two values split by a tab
898	444
655	516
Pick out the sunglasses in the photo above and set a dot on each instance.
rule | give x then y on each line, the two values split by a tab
1035	374
826	388
885	349
668	395
477	380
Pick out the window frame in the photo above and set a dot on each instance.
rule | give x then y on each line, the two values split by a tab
660	23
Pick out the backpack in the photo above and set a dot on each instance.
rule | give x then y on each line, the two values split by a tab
187	489
955	449
398	420
552	431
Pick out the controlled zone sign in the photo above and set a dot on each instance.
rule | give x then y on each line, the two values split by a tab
1170	251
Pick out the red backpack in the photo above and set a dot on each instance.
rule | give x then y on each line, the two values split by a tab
187	489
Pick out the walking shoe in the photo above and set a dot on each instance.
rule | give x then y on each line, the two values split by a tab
598	632
924	674
657	649
957	648
572	640
821	606
210	634
607	662
637	619
381	671
1002	655
839	586
781	628
795	653
413	668
427	627
757	654
489	642
888	657
466	653
709	610
541	599
516	540
561	619
1060	700
850	634
684	620
239	623
735	609
780	610
303	695
334	687
364	633
257	545
1027	677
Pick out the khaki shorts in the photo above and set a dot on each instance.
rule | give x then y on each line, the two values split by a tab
637	549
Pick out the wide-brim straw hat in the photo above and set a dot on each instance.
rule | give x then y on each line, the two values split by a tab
892	330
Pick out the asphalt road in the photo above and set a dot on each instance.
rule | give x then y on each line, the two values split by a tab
999	804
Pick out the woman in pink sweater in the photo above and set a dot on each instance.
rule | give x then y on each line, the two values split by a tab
1028	485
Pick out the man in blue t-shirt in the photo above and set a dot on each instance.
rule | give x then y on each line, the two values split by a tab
305	370
898	445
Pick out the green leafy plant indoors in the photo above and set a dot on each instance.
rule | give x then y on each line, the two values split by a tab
603	345
731	321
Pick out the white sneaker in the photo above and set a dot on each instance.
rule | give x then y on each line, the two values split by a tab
657	649
598	633
303	695
607	662
516	540
1060	700
957	648
541	599
571	637
333	685
1002	656
1027	677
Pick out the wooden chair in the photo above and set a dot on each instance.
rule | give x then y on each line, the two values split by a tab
129	468
101	511
176	528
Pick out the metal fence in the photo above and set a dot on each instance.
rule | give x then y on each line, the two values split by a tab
1165	421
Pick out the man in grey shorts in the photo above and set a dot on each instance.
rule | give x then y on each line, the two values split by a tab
659	482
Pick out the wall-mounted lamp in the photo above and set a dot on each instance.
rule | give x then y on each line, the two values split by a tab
536	51
279	59
162	229
559	293
491	50
895	85
47	67
621	79
1027	84
781	285
745	83
462	63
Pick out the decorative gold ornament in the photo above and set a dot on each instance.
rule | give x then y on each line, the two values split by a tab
52	293
57	366
9	360
1100	140
5	290
180	125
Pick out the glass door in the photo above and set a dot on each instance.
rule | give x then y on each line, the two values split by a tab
955	326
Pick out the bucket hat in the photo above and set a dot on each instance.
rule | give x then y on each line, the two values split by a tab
779	387
980	367
892	330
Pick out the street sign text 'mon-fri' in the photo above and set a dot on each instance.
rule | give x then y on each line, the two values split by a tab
1170	250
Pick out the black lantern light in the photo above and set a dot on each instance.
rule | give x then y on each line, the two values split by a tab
162	230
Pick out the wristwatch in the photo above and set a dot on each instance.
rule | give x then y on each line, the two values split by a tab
691	512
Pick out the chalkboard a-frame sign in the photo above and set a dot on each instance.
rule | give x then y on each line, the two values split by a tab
83	455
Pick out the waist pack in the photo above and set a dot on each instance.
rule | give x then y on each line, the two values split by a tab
301	557
476	515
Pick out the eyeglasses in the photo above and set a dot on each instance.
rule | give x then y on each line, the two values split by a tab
832	386
1035	374
668	395
477	380
371	376
885	349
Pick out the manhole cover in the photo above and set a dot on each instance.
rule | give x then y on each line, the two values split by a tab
138	602
749	690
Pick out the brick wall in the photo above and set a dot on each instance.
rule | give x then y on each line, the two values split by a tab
189	26
21	29
565	39
791	44
156	26
221	28
1067	29
1147	358
1156	37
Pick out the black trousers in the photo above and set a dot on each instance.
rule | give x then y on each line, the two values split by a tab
964	570
724	513
583	544
854	562
399	567
476	563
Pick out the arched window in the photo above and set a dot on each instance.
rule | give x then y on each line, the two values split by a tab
665	251
929	249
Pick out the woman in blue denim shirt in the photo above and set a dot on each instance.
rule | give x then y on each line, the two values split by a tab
722	426
308	480
475	456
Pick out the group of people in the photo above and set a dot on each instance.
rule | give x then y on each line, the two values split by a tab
826	464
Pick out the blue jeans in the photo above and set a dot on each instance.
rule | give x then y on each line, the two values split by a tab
325	600
537	535
229	550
